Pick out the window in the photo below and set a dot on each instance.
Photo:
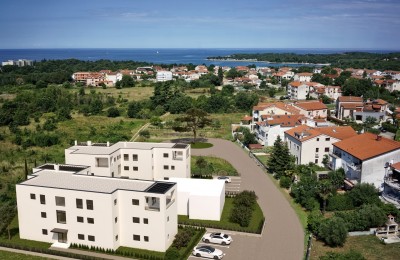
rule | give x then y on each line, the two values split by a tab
116	219
136	220
327	139
44	231
81	236
33	196
166	167
326	149
316	160
317	139
61	217
172	167
165	155
126	168
135	168
316	150
60	201
135	157
42	199
146	239
167	218
79	203
115	202
135	202
79	219
146	221
43	214
116	238
89	204
136	237
90	220
126	157
91	238
101	162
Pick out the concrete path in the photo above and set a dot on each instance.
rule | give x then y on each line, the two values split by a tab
283	236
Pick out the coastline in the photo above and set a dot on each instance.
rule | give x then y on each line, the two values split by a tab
270	62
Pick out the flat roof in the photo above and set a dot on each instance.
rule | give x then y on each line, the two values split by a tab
70	181
103	149
203	187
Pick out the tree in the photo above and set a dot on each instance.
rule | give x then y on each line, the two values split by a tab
227	90
314	220
364	193
201	164
113	112
280	160
126	81
134	108
220	76
333	231
247	137
325	190
193	120
7	213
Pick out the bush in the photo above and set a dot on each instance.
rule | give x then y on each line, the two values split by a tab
339	202
241	215
113	112
183	238
172	254
245	198
285	182
333	231
145	134
364	193
314	220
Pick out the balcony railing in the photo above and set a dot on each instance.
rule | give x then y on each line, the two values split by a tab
335	155
170	202
394	183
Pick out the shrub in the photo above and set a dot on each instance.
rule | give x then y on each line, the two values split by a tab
314	221
145	134
364	193
245	198
339	202
285	182
183	237
113	112
333	231
241	215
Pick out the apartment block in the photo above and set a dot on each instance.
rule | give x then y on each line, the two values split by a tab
64	204
134	160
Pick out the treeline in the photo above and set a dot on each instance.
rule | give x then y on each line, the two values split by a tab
379	61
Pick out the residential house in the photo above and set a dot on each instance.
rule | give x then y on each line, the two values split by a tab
303	77
310	145
364	157
134	160
312	109
301	90
272	126
333	92
346	106
163	75
274	108
64	204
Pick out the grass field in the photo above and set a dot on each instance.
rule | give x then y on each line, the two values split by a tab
131	94
224	223
369	246
201	145
220	166
4	255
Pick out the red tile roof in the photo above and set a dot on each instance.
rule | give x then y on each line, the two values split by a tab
255	146
337	132
284	120
283	106
350	99
396	166
247	118
311	105
367	145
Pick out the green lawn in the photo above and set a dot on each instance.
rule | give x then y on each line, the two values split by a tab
369	246
201	145
219	166
224	223
4	255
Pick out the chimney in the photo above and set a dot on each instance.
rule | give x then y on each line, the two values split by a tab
89	143
76	142
108	143
378	138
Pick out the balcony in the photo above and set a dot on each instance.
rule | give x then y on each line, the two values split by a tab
152	204
169	202
354	167
394	183
336	155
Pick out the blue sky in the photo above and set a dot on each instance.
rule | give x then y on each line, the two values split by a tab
361	24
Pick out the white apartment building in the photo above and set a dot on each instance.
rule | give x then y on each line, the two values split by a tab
133	160
164	75
312	109
19	63
303	77
64	204
310	145
364	157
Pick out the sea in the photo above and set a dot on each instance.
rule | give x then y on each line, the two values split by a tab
164	56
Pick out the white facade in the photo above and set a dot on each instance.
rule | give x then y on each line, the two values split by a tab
64	205
134	160
200	198
164	75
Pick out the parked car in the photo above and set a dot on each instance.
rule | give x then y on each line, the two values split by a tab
208	251
227	179
217	238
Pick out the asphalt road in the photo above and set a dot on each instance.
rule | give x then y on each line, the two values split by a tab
283	236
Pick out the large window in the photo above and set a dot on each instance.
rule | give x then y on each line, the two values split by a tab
102	162
42	199
135	157
91	238
81	236
89	204
126	157
135	202
136	237
135	168
126	168
90	220
60	201
79	203
165	155
136	220
61	217
79	219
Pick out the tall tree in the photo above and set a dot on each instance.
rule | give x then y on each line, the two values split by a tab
220	76
280	160
193	120
325	190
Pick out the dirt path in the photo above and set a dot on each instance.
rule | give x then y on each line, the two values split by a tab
283	236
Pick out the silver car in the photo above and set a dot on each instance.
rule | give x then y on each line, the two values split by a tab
208	251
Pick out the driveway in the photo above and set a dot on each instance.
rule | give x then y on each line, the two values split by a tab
283	236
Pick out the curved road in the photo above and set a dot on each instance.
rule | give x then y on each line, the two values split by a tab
283	236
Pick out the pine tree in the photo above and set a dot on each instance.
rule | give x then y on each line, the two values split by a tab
280	160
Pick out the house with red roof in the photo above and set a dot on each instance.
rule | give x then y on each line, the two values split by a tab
273	108
312	109
303	77
311	144
355	108
364	158
298	90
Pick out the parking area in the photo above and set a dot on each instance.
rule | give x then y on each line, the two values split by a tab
228	251
234	185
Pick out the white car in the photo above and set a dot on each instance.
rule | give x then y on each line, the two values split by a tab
208	251
227	179
217	238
